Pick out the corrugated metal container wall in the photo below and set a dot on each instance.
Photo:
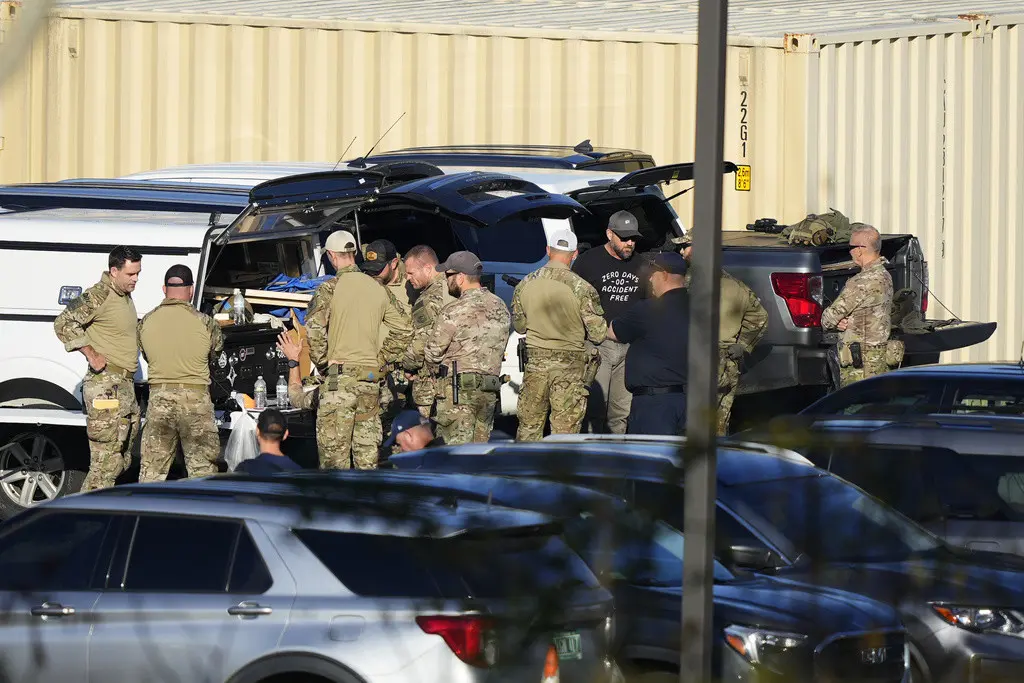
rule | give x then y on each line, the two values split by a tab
925	134
105	97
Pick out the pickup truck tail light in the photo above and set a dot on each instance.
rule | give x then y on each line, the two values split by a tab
803	296
469	637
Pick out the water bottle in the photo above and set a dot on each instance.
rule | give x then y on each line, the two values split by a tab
282	392
261	393
238	307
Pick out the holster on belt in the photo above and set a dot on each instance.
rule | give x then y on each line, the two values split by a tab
522	353
591	364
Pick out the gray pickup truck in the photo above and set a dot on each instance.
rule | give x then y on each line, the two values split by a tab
795	283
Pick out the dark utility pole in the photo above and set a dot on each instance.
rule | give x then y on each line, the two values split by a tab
705	264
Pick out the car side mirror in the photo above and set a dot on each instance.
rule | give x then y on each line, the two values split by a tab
753	558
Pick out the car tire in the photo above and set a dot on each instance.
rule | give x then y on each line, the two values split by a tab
24	452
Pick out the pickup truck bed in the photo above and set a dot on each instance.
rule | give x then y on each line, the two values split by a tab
795	283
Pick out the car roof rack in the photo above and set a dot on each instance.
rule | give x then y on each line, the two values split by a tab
124	195
582	156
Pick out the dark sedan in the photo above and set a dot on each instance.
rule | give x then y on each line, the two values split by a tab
989	388
963	610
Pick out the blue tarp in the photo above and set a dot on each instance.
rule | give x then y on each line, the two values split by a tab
305	284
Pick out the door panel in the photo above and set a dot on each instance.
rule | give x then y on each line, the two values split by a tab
50	563
178	626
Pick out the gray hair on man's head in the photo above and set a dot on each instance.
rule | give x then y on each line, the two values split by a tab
874	242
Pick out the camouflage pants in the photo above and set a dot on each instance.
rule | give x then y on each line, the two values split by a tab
471	420
553	381
728	380
111	430
873	362
179	415
424	393
348	428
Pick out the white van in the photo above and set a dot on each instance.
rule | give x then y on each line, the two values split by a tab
242	225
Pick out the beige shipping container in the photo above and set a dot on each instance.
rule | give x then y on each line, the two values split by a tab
907	118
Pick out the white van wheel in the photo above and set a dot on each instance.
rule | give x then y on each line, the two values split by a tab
32	471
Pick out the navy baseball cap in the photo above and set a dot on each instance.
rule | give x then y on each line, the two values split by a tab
670	262
407	419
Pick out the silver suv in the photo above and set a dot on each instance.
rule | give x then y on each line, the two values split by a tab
256	581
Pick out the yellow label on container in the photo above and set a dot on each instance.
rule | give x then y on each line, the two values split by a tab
743	178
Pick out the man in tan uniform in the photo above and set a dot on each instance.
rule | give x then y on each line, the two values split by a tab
742	323
420	265
381	262
101	325
558	311
179	342
343	324
466	346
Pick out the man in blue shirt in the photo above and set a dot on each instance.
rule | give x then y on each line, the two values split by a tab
658	331
270	433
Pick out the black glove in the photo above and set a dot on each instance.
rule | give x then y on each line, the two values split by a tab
736	351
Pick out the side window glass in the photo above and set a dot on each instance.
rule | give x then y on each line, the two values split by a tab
882	399
729	532
996	400
181	554
895	476
52	551
249	573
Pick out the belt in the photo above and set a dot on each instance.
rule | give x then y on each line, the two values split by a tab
657	391
112	369
175	385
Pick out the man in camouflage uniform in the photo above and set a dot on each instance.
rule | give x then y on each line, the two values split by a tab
101	324
558	311
179	342
381	262
743	321
343	324
466	345
862	311
420	265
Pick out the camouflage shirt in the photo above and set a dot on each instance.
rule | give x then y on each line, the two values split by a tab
557	309
472	330
428	306
866	302
402	290
343	324
742	318
104	318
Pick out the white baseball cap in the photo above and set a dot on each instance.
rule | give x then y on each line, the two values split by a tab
563	240
341	241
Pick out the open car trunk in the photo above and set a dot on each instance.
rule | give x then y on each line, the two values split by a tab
280	236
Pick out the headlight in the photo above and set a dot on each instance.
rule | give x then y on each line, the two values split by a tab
762	647
983	619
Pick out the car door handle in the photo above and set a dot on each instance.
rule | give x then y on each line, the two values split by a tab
52	609
249	609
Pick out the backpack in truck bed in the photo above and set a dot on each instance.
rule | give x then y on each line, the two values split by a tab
819	229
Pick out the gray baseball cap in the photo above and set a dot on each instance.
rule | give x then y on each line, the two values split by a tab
623	224
464	262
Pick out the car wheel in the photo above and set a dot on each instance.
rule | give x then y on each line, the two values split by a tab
33	469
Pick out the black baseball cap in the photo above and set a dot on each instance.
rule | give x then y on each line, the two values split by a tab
670	262
379	253
465	262
623	224
181	272
271	422
407	419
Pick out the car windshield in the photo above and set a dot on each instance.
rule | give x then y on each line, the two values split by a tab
829	520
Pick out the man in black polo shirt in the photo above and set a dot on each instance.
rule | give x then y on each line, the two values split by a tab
657	331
